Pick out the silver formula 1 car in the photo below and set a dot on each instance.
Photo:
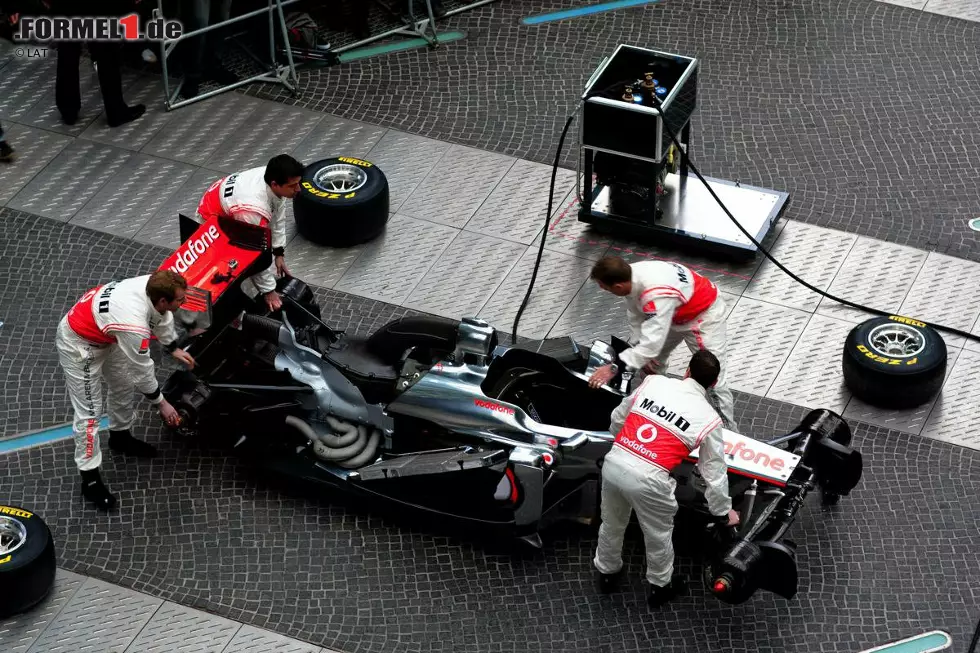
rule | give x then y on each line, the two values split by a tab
440	415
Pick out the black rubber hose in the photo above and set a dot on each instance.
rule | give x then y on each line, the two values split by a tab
976	639
547	221
674	140
875	311
261	327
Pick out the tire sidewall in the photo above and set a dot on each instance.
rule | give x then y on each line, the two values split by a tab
859	349
310	192
38	537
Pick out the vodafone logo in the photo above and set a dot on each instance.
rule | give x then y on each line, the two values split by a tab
497	408
194	249
646	433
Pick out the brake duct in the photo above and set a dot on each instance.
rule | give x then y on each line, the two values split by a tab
348	445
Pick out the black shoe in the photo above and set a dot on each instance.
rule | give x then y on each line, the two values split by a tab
124	443
6	152
128	114
95	491
609	582
661	595
69	118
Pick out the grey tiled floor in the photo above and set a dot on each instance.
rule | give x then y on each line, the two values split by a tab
464	234
87	614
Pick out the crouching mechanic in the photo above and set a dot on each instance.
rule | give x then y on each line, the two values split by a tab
665	303
107	334
258	196
656	427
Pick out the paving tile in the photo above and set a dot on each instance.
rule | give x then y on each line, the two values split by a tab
812	375
761	337
272	129
134	135
19	90
457	186
18	632
100	618
127	199
35	149
909	420
516	207
405	160
559	278
876	274
255	640
332	137
163	227
391	265
566	234
198	130
464	277
911	4
178	629
956	306
965	9
812	253
316	264
72	178
954	417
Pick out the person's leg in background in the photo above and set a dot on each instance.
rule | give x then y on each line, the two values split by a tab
200	60
66	93
117	112
6	151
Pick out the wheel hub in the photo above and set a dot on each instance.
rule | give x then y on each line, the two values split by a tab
13	535
340	178
897	340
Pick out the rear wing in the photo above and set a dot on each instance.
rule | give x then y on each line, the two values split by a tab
214	256
755	459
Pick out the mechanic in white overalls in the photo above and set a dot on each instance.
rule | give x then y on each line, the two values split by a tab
656	427
666	302
107	334
258	196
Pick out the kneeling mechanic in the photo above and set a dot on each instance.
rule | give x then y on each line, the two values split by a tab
107	333
656	427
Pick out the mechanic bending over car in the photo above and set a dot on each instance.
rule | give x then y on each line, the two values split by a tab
665	303
258	196
107	333
656	427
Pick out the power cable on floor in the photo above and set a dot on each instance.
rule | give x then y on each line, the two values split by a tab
683	153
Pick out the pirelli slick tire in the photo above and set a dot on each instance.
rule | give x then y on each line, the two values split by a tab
342	202
27	560
894	362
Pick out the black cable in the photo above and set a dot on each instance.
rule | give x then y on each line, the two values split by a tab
875	311
976	639
683	153
547	221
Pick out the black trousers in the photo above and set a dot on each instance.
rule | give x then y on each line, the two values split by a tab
67	92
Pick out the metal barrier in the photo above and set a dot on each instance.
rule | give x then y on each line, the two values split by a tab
279	76
418	27
284	71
